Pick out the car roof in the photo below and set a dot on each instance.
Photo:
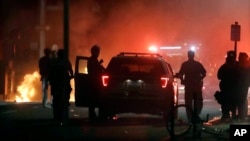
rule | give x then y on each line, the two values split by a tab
140	55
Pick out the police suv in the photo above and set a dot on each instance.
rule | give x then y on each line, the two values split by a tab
132	83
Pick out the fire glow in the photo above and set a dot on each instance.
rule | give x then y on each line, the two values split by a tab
27	89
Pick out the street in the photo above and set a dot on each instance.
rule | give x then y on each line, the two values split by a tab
30	121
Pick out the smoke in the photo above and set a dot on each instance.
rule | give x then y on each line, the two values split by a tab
132	25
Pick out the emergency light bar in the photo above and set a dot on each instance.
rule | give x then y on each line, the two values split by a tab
170	47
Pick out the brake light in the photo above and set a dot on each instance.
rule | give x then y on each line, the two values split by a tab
105	80
164	82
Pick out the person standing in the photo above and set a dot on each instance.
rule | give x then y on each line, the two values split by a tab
54	49
191	75
94	67
228	76
44	65
242	101
60	75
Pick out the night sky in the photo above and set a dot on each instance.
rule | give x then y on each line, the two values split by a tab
131	25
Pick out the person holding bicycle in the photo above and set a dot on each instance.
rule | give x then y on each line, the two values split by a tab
191	75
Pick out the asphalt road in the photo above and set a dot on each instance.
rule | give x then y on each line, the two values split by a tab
32	122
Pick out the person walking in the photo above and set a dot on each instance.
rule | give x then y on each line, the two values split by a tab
44	65
191	75
94	67
60	75
228	76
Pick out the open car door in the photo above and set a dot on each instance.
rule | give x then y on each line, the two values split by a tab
81	82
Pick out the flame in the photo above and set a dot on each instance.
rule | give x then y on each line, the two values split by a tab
27	89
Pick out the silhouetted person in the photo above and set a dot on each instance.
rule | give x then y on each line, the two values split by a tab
44	64
191	75
60	75
242	101
94	67
54	49
228	76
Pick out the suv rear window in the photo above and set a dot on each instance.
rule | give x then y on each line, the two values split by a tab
123	65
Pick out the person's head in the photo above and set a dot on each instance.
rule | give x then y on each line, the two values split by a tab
54	49
190	55
47	51
95	51
231	56
243	57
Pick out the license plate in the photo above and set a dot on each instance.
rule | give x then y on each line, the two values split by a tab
134	86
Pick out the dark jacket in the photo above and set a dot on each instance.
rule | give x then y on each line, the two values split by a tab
44	66
229	77
192	73
60	74
94	70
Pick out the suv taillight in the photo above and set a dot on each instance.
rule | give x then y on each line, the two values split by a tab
164	82
105	80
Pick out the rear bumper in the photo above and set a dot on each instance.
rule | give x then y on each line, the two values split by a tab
135	105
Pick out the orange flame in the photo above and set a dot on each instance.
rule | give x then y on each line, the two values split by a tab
28	91
27	88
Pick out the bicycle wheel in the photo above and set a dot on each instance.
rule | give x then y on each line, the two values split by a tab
177	122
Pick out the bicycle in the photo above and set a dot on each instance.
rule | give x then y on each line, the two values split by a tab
178	125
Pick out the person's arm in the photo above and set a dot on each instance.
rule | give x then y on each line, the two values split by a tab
71	70
204	72
181	74
40	66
